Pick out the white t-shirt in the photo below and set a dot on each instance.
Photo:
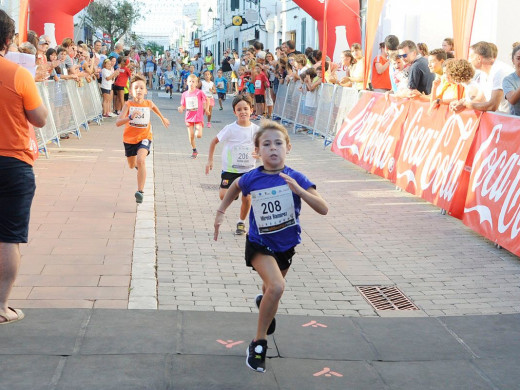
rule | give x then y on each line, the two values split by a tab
494	81
238	147
106	84
207	86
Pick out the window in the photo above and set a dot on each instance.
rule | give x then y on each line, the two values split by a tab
235	4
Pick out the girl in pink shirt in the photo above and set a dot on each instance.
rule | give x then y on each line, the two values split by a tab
195	103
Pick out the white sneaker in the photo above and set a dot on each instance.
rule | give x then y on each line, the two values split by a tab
112	115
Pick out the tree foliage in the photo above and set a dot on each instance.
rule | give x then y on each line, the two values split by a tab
155	47
114	18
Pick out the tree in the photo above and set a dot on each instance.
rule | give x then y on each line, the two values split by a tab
114	18
155	47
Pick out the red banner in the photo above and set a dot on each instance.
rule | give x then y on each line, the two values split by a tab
493	201
433	153
371	132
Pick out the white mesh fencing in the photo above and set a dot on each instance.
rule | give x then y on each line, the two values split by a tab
279	104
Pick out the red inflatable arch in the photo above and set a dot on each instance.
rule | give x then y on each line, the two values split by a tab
339	13
60	13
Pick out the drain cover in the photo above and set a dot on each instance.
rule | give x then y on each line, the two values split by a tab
212	187
386	298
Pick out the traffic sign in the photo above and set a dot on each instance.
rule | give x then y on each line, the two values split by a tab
237	20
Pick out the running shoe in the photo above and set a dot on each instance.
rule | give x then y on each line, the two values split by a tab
139	196
241	229
194	154
112	115
208	124
256	355
220	108
272	325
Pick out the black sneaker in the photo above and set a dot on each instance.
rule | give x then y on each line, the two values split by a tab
256	355
139	196
241	229
194	154
272	325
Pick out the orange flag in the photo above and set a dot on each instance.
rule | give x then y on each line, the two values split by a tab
463	14
374	9
22	20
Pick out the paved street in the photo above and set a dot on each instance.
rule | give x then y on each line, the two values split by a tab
92	249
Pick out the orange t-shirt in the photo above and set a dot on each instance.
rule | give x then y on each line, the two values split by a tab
18	93
139	127
381	81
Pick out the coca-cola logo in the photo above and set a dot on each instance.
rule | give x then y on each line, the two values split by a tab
496	178
367	135
438	154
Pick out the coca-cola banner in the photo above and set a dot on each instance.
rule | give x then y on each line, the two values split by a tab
371	132
433	152
493	200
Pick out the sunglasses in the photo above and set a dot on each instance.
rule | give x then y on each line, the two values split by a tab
402	55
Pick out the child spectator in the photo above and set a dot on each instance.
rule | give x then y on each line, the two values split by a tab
237	153
195	103
137	137
107	79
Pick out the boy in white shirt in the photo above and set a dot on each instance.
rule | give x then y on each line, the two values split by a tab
237	154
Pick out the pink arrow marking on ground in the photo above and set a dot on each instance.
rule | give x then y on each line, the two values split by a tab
327	372
229	343
314	324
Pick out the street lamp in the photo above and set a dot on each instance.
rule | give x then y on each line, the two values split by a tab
211	15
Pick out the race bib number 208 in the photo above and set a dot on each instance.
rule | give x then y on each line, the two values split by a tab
273	209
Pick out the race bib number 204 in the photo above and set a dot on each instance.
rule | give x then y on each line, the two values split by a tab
273	209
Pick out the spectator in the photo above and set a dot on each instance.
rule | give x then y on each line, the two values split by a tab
344	68
391	44
291	49
209	62
52	60
492	74
448	46
423	49
400	74
226	67
381	72
235	65
198	62
121	82
107	80
420	78
118	50
357	73
511	83
21	106
70	59
150	67
284	48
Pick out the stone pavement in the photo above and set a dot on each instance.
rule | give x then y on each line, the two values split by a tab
92	250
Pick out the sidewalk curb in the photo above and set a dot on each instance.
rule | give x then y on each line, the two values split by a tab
143	284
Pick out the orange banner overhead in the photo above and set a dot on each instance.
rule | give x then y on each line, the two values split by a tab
463	14
22	20
374	9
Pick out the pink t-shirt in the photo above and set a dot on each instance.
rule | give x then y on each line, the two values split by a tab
194	103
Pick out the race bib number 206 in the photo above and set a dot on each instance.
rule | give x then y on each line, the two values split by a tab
273	209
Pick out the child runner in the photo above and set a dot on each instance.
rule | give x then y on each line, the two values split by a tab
184	78
276	191
261	83
168	80
195	103
209	89
237	153
137	136
221	83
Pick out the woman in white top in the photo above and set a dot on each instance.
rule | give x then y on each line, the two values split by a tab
208	87
357	71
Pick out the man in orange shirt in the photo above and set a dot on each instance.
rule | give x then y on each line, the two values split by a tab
20	103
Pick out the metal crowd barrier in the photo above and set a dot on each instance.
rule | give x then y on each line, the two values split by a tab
70	107
322	114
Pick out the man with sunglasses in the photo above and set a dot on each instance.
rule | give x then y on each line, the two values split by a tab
420	78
